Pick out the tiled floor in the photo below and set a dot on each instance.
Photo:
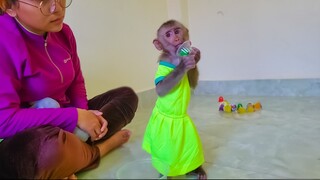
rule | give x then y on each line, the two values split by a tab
281	141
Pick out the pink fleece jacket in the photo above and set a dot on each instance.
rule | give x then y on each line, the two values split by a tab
33	67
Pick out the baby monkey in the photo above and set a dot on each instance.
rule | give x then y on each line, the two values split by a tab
170	36
172	87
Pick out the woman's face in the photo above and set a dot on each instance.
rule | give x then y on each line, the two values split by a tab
28	13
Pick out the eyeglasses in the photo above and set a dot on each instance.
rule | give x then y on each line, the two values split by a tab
48	7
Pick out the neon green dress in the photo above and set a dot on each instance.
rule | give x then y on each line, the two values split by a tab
171	137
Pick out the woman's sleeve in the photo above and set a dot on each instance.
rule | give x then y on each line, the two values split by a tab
13	118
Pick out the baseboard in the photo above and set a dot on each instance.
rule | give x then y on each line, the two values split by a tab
270	87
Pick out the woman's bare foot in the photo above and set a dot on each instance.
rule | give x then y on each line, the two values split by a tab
73	176
114	141
200	172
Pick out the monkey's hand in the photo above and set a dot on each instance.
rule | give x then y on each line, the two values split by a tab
197	54
193	74
190	61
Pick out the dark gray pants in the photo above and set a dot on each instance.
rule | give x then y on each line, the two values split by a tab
118	106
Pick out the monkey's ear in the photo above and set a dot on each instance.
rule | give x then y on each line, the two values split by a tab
157	44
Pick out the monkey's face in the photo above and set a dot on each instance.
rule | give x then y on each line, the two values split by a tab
171	38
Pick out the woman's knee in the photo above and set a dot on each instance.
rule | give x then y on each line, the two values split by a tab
128	95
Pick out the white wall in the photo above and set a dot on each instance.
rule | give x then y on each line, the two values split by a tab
239	39
256	39
114	40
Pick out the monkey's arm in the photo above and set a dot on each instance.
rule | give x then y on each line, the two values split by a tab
193	77
164	86
186	63
193	74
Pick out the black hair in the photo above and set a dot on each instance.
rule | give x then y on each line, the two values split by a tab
6	4
19	154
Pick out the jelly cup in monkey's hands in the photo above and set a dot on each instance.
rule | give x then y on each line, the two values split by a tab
184	49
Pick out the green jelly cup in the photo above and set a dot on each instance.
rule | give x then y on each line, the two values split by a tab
184	49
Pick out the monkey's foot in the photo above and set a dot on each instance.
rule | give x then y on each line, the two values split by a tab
200	173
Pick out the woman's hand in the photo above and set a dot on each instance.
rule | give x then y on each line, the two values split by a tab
92	122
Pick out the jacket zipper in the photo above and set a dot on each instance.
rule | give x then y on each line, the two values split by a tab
45	47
